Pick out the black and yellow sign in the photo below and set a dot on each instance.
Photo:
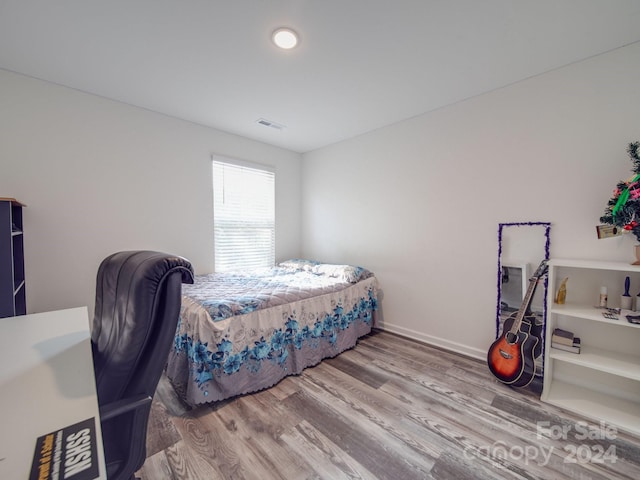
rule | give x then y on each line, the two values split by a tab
67	454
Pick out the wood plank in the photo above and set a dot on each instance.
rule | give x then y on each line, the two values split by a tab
205	452
241	445
187	462
365	373
367	407
377	452
161	432
156	466
327	459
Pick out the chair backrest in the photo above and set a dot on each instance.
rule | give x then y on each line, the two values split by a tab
138	296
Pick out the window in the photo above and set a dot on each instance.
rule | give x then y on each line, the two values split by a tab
243	216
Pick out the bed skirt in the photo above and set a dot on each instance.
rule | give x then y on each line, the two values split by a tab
212	361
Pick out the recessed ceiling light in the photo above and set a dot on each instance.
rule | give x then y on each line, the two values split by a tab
285	38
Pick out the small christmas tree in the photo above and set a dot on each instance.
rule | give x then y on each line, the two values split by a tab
623	209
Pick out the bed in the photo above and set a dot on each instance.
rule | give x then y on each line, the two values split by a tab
243	332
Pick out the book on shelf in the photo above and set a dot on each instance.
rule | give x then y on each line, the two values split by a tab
573	348
563	337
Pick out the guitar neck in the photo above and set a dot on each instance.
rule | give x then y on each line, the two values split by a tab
526	301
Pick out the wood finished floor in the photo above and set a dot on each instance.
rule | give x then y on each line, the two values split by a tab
391	409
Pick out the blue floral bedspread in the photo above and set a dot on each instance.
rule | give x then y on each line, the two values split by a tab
240	333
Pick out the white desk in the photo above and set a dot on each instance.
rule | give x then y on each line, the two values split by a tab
46	383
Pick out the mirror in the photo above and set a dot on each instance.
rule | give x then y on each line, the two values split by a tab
521	248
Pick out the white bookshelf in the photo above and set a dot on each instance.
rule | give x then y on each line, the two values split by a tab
602	382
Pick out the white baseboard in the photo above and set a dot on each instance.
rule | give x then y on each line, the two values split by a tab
436	341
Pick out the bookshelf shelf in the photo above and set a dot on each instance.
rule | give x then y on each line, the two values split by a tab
596	405
615	363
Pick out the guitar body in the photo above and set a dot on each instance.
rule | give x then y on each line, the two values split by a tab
511	357
535	329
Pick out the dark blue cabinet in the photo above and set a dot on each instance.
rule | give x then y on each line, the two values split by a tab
13	299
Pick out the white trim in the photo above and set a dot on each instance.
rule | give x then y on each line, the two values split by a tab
436	341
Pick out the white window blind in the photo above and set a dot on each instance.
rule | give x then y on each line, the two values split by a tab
243	217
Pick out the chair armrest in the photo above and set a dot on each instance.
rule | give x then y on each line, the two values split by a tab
114	409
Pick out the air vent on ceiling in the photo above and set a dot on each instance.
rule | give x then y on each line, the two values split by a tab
269	123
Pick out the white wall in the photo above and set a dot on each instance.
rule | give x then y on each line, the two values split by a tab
419	202
99	176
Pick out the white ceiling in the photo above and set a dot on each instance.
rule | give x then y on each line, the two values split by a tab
361	64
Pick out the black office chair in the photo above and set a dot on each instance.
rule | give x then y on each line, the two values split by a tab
138	298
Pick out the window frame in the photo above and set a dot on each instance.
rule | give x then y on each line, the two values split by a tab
256	232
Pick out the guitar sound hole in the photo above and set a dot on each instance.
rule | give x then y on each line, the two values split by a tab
511	338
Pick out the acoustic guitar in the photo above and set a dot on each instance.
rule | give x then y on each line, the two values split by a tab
511	357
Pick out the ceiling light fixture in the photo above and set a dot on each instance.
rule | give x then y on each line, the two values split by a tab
285	38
